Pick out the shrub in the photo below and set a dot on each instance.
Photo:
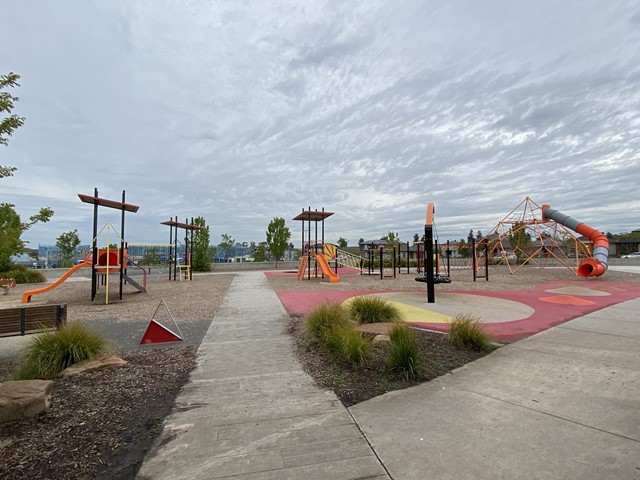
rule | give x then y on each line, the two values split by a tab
404	354
373	310
49	353
348	344
466	332
22	274
324	317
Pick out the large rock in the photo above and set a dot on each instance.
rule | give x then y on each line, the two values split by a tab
90	365
23	399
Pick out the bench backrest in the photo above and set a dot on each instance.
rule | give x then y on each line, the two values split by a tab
31	319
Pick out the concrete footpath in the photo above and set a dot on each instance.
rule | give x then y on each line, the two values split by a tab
250	412
563	404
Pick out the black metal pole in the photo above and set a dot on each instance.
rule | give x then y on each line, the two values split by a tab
394	260
315	246
94	248
170	247
175	251
309	245
408	257
448	258
122	246
428	262
486	261
191	253
474	263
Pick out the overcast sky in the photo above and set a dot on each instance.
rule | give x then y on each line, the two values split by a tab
241	111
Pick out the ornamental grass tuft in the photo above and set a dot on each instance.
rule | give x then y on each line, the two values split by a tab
404	354
346	343
466	332
372	309
49	353
324	317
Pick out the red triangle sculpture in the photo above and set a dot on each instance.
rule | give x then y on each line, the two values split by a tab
157	333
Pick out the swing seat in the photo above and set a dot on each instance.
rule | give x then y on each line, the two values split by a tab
436	279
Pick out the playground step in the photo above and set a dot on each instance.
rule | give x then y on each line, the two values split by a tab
133	283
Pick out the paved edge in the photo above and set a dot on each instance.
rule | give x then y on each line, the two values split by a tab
562	404
249	411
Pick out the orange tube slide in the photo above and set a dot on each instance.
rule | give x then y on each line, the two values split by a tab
589	267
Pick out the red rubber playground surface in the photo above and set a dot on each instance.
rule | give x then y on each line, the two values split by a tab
508	315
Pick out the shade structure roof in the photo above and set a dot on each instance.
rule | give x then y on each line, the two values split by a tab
103	202
186	226
312	215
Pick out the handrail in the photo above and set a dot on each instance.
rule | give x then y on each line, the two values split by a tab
144	272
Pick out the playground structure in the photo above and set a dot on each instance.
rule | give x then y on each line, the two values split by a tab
535	235
102	261
179	270
314	252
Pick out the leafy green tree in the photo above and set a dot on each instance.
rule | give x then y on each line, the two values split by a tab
151	257
201	252
12	228
226	243
278	236
13	121
391	238
6	171
464	249
260	254
342	242
11	225
470	236
519	239
67	243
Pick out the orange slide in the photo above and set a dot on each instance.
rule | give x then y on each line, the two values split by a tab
326	269
26	296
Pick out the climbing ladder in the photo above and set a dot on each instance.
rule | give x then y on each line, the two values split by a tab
347	259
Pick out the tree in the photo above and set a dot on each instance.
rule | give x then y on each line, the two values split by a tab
479	235
151	256
13	121
416	238
391	238
200	251
278	236
226	244
519	239
6	171
67	243
470	236
342	242
464	249
12	228
260	254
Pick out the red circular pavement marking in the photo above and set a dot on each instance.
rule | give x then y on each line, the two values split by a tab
546	314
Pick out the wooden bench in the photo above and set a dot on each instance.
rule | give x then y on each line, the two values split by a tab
31	319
